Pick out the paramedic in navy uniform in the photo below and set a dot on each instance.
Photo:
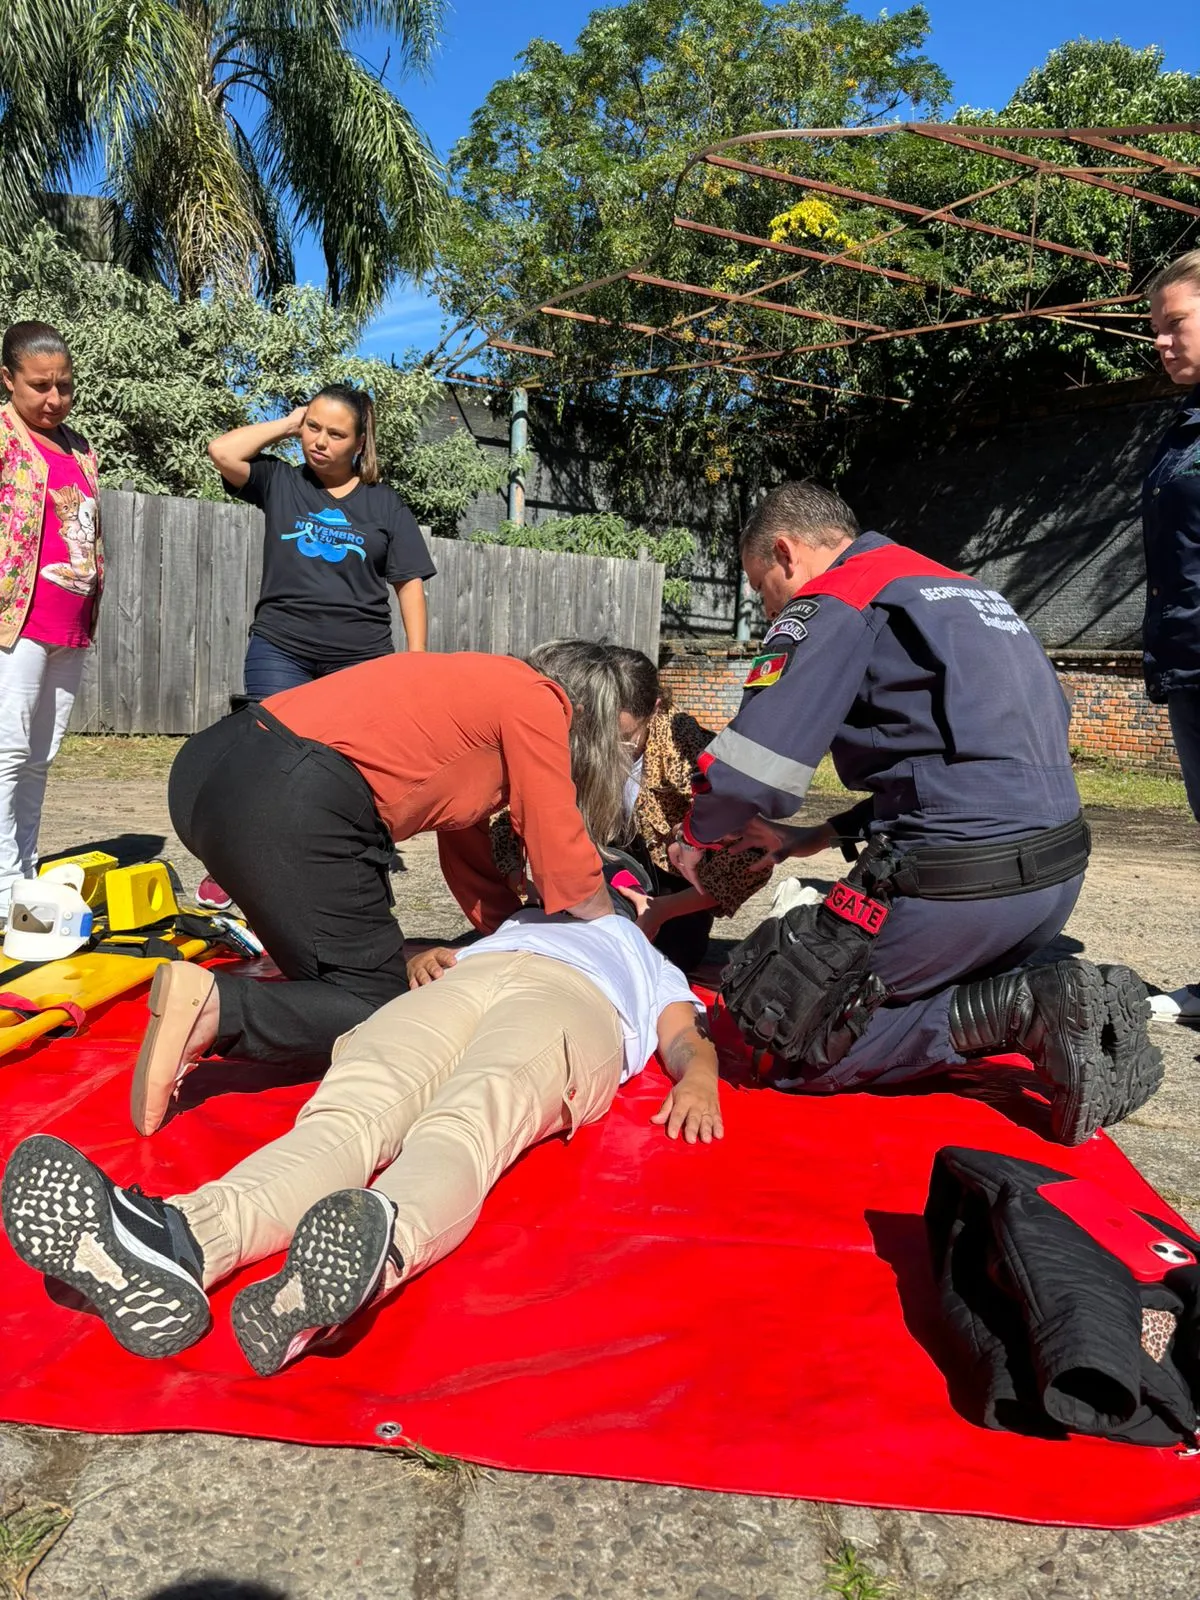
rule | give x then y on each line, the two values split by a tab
931	693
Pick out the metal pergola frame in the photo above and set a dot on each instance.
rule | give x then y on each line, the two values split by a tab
702	351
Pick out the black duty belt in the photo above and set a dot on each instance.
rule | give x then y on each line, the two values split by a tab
993	871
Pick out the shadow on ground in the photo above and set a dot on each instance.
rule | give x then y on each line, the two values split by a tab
218	1589
127	847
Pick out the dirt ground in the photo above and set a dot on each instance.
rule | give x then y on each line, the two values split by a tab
166	1517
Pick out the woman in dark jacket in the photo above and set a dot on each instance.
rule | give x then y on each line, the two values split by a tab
1171	530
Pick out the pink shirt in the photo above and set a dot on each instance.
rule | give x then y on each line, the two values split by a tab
64	593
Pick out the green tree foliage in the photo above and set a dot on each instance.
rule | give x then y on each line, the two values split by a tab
222	126
603	533
569	173
568	170
1086	83
157	378
42	129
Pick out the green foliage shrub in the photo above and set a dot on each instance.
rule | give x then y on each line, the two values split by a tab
603	533
157	379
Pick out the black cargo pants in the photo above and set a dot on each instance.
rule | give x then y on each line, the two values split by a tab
289	828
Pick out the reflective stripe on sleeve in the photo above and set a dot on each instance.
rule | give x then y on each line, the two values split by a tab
763	765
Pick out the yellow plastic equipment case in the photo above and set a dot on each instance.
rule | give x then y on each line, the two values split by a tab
96	864
139	896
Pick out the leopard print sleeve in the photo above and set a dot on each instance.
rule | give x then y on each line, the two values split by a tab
728	879
507	850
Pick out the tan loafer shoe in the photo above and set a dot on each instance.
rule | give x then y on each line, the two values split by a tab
169	1050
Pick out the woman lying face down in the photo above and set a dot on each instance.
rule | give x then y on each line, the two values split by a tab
426	1103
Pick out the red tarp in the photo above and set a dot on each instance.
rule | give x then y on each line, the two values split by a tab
748	1317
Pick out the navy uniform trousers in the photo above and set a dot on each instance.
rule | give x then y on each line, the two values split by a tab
926	948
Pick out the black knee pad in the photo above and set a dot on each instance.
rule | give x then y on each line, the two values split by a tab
801	986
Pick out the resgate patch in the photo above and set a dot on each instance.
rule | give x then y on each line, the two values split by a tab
789	624
787	628
803	610
765	670
852	905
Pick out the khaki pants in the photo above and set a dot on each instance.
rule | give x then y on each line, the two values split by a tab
438	1093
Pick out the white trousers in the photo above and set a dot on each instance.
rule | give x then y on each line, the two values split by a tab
38	685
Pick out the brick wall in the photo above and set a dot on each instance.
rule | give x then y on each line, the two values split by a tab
704	680
1110	714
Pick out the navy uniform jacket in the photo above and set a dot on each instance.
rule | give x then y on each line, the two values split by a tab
927	689
1171	534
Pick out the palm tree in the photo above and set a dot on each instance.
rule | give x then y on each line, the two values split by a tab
42	128
225	125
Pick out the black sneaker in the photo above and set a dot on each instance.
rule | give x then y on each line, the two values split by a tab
133	1257
334	1267
1136	1064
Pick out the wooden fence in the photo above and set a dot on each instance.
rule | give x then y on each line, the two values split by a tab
183	575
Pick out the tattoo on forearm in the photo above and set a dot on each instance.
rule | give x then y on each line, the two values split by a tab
684	1048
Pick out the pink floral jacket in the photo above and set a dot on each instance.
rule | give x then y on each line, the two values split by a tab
22	507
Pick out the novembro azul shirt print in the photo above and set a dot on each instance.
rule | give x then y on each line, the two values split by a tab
328	562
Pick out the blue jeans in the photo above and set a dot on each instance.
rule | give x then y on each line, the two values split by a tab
1183	708
270	670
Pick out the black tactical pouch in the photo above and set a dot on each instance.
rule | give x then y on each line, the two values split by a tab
801	985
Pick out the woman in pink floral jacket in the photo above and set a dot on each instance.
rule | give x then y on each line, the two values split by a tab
51	572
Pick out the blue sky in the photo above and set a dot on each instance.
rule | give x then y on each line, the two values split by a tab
986	50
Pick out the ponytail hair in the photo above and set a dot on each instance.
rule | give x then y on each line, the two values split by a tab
359	402
25	339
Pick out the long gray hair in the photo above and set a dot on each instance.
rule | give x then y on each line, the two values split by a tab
600	684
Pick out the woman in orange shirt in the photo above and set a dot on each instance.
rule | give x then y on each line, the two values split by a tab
660	748
294	805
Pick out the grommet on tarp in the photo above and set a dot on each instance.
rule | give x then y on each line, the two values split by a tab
389	1431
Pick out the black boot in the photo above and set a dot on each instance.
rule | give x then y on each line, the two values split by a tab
1137	1065
1056	1016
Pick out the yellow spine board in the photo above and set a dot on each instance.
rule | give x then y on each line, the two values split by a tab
87	981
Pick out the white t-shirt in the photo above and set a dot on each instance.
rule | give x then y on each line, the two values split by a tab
619	959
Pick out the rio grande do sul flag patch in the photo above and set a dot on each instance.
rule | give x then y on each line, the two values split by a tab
765	670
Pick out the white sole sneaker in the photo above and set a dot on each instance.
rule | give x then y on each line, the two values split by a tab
334	1266
1181	1005
65	1218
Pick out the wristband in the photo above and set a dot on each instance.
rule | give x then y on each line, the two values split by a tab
689	838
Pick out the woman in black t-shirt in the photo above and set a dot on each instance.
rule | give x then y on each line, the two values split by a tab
335	539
